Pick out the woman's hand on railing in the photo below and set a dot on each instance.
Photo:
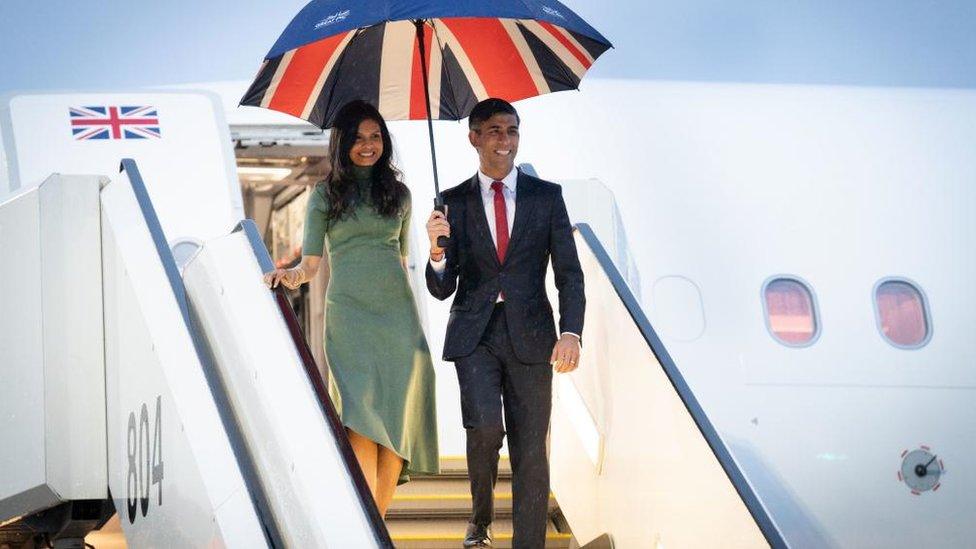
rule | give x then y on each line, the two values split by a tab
290	278
297	275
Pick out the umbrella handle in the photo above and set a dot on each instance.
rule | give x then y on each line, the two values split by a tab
442	241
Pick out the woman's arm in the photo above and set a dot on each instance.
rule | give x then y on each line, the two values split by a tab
314	245
405	232
297	275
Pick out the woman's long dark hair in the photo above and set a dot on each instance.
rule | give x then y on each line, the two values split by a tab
386	191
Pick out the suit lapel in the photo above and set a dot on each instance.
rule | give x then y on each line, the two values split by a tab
476	213
524	195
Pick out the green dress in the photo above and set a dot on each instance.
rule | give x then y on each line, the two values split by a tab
381	374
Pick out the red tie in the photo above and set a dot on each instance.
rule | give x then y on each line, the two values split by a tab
501	221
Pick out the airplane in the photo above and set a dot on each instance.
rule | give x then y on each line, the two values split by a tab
775	351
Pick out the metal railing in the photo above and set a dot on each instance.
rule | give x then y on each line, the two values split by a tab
745	491
379	530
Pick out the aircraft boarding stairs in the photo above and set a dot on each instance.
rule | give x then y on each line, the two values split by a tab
431	512
177	391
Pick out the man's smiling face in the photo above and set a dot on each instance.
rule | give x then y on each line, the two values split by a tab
497	141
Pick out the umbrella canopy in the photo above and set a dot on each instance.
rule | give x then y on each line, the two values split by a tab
336	51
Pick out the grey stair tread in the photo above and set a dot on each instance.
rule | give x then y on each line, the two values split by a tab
448	494
434	534
450	485
448	505
459	473
452	465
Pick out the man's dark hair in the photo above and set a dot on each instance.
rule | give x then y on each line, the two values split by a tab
488	108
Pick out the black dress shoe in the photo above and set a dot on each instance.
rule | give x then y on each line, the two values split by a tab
477	536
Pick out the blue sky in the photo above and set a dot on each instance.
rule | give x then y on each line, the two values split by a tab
60	44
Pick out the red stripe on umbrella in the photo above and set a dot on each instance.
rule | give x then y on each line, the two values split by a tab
418	105
494	57
302	74
567	43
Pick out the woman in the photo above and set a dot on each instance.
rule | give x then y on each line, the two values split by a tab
382	377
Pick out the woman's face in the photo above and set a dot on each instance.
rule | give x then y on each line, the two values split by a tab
369	144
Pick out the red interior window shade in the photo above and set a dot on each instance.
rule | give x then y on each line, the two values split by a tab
790	311
901	313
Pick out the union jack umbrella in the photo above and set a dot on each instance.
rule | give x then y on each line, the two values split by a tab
416	60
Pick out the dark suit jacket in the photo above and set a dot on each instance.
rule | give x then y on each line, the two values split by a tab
541	231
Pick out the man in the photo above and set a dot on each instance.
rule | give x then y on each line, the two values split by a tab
504	228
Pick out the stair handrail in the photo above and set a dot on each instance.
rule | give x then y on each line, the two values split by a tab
375	520
245	461
749	497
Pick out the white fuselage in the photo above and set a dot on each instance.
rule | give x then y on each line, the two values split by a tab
723	187
720	188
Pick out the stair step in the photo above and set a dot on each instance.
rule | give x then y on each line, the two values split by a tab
448	494
446	486
449	533
429	512
458	474
448	505
458	465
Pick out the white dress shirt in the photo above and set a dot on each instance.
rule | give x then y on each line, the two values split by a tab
509	188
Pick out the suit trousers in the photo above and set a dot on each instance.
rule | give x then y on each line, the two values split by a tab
490	377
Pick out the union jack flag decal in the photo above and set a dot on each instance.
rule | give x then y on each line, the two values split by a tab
111	122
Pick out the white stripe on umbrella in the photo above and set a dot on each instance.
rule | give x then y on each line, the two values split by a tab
531	63
556	46
434	65
449	40
276	79
326	70
572	40
396	64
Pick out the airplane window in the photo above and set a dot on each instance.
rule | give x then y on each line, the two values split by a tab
902	313
791	313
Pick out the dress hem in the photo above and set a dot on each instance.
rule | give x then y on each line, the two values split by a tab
405	472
